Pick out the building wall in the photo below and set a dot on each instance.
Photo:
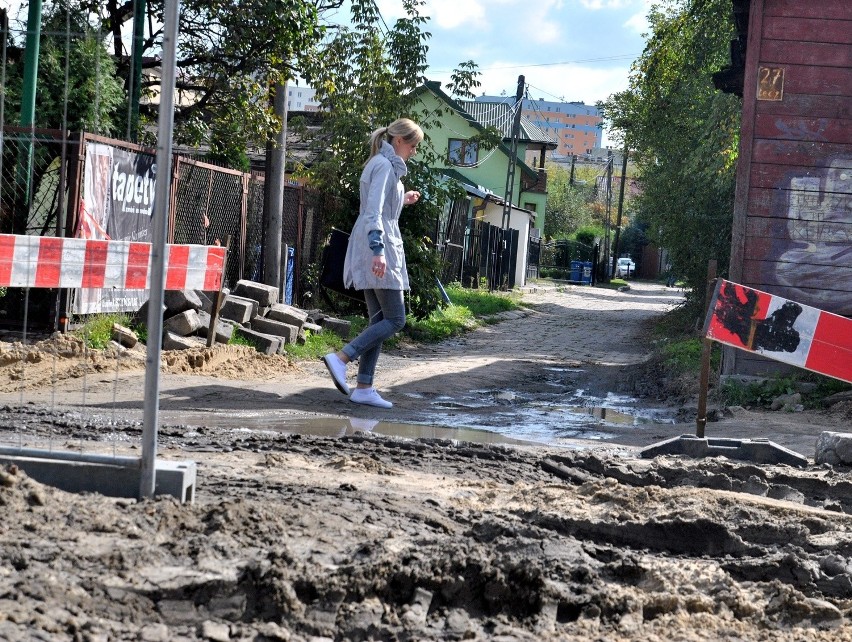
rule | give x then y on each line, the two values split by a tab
792	232
491	172
301	98
575	125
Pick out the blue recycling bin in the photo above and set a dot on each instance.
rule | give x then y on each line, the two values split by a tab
576	271
288	275
586	276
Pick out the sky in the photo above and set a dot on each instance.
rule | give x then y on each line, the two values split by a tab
571	50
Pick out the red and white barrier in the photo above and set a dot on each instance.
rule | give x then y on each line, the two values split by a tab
52	262
780	329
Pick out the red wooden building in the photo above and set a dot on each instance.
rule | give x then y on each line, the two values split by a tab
792	229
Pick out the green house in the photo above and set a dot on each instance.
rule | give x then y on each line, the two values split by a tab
484	173
487	170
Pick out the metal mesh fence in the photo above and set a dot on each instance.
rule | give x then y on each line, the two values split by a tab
208	208
32	166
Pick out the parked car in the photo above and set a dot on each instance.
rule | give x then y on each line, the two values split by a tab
625	267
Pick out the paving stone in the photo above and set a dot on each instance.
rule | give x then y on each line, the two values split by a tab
124	336
224	328
239	309
172	341
340	327
265	295
264	343
184	324
287	314
834	448
177	301
276	328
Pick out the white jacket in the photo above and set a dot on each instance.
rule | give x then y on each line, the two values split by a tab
382	196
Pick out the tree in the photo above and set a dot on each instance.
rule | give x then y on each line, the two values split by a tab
92	96
568	207
684	135
369	76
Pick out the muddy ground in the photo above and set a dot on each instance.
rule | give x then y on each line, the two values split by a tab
357	534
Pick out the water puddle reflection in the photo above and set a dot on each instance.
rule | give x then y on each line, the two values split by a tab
478	416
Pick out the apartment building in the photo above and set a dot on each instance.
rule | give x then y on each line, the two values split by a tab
301	98
576	126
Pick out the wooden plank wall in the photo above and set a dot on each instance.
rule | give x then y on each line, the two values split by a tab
793	209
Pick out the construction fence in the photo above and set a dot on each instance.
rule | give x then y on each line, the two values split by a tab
89	186
93	187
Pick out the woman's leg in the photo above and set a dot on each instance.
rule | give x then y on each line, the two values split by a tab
386	309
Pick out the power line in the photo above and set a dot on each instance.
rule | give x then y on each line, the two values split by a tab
554	64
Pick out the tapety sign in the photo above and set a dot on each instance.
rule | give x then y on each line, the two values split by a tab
117	204
780	329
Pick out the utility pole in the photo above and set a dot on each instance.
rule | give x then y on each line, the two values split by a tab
273	219
27	120
620	206
608	212
571	179
136	69
513	160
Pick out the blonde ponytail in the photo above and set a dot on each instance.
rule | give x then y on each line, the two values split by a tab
403	128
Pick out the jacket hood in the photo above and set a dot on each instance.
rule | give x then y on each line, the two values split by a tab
399	166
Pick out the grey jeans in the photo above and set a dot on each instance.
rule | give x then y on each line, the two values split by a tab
387	317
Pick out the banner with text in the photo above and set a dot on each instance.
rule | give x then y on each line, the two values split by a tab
117	204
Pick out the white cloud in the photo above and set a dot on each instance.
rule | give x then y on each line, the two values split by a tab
638	22
595	5
539	25
451	14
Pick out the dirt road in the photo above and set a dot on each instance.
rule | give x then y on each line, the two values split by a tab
361	536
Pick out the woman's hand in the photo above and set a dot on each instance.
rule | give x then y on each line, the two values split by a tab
379	266
411	197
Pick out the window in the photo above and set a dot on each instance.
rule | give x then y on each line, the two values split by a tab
463	153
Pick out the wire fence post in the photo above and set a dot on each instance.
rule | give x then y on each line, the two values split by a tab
161	214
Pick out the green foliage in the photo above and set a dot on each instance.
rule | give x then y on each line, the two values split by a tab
467	309
240	339
96	332
589	234
683	356
755	393
568	206
91	98
365	81
683	135
812	387
480	303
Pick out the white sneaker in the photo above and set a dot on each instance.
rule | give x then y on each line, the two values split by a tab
369	397
337	370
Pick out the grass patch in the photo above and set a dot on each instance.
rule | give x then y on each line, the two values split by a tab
481	303
318	344
812	387
468	308
96	331
683	356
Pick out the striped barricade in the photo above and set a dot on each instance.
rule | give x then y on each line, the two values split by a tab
52	262
780	329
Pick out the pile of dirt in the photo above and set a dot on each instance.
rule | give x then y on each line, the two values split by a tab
367	538
62	357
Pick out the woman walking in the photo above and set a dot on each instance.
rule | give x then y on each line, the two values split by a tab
375	261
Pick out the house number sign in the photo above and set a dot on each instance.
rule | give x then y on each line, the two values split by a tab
770	83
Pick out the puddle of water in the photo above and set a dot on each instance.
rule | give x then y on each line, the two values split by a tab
516	418
335	426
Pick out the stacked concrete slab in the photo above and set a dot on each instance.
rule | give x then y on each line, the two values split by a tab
251	309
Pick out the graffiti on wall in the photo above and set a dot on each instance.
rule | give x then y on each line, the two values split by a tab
813	261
